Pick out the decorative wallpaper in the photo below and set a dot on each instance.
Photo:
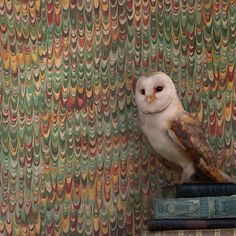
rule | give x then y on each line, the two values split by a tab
72	160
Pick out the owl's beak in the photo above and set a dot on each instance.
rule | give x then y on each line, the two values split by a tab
150	98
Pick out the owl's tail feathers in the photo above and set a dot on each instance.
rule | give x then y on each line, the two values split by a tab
227	179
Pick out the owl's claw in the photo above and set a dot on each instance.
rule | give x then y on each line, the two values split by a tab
173	184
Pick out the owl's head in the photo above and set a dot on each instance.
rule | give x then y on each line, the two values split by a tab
154	93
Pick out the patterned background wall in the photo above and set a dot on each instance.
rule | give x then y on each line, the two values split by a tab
71	156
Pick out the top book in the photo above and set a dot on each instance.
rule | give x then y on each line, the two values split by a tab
200	190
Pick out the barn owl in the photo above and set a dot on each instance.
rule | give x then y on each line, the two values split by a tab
177	138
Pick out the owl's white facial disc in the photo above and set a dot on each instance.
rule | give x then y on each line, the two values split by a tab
154	93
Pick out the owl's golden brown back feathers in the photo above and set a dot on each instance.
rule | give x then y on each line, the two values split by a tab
189	134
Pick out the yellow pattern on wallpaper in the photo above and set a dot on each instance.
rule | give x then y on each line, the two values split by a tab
72	160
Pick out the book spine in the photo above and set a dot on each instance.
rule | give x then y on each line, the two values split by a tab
195	208
155	225
204	190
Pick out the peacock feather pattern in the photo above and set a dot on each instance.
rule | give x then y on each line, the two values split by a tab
72	158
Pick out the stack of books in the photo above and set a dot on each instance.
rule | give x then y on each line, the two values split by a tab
196	206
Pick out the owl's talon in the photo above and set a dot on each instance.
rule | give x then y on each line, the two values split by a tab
173	184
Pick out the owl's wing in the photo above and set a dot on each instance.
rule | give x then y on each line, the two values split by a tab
189	135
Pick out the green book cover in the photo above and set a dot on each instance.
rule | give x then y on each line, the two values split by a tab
195	208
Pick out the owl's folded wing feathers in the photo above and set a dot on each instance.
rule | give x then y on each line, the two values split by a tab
189	135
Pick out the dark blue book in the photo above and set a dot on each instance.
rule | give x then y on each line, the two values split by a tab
200	190
177	224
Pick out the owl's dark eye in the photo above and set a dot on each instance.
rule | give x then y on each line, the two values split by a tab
158	89
142	91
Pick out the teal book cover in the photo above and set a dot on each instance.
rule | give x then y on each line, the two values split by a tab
195	208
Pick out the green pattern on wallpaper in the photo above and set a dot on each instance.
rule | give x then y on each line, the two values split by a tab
72	160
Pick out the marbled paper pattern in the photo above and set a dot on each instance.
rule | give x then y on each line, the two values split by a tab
72	161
